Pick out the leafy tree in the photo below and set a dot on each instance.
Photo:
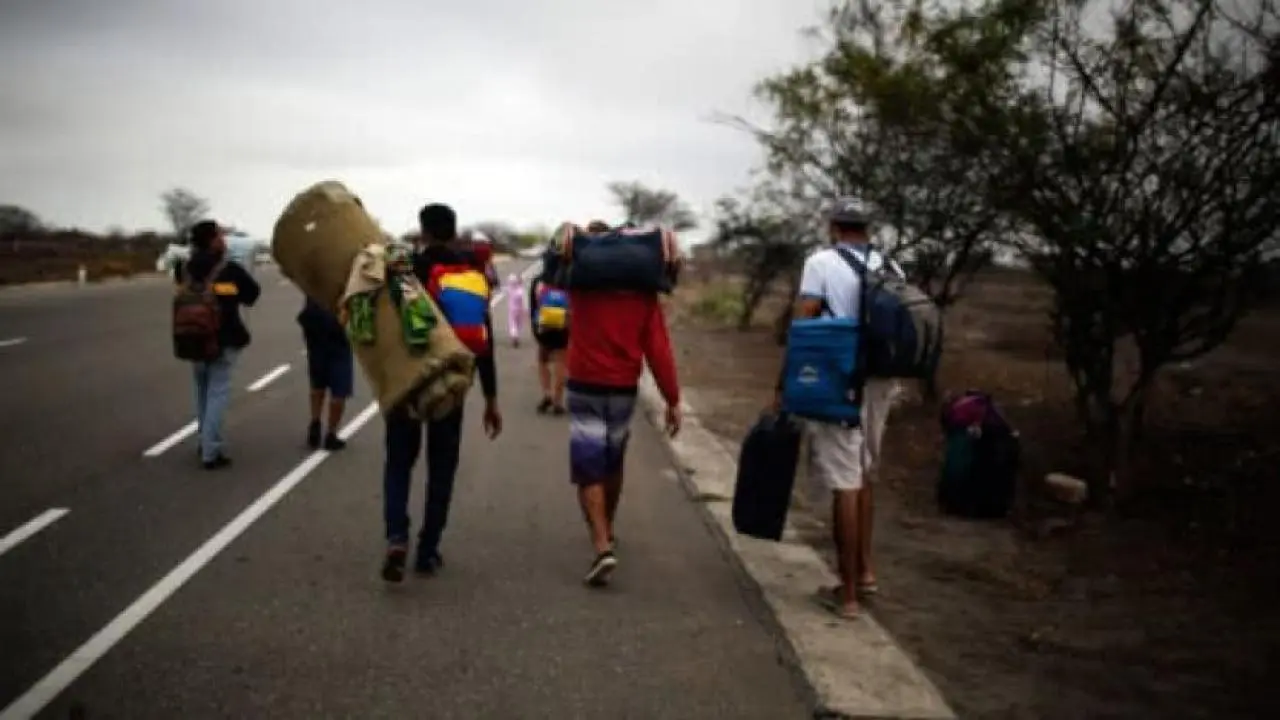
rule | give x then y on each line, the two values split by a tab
183	209
15	220
644	205
769	233
894	112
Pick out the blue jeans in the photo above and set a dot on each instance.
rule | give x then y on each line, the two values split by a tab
213	394
403	444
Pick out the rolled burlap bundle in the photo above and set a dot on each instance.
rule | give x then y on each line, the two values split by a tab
316	241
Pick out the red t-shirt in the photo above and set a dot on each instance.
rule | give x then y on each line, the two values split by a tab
613	334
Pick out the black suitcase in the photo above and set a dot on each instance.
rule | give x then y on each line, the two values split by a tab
766	475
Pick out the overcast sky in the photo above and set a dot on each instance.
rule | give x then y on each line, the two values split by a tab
508	109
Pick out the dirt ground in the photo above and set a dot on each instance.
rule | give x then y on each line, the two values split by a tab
1164	611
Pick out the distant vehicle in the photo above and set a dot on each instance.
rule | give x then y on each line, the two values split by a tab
531	253
240	247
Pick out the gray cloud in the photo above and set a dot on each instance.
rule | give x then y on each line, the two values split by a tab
507	109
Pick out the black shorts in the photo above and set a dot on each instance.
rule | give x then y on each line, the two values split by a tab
552	340
330	367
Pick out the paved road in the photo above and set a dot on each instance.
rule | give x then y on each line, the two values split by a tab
288	619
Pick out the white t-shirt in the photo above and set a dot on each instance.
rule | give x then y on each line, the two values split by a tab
826	276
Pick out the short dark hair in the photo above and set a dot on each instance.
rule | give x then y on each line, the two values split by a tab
597	226
438	222
203	234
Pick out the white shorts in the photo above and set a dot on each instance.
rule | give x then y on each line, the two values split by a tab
840	457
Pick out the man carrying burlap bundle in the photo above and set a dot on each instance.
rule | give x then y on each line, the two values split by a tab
451	273
419	361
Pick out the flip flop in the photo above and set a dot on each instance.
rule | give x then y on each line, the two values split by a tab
868	589
829	600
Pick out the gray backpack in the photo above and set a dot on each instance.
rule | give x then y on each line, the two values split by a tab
903	337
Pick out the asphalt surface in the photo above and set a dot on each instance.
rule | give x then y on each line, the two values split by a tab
289	618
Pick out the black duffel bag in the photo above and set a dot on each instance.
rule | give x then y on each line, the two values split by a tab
640	260
766	475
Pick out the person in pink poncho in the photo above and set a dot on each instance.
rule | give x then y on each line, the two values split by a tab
515	308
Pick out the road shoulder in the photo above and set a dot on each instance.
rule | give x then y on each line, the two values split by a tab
854	669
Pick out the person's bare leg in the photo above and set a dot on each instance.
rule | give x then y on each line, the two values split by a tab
336	408
317	404
612	494
557	383
544	372
595	507
844	525
866	573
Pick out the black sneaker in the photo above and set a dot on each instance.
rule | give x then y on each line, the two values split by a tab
217	463
558	410
333	442
601	568
313	434
428	562
545	406
393	564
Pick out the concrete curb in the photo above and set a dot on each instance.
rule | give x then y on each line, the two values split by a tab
853	669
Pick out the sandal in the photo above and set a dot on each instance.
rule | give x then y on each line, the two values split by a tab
868	589
829	600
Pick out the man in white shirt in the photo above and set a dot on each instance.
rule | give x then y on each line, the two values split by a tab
844	458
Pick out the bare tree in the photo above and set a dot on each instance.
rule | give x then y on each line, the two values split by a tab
643	205
1149	179
183	208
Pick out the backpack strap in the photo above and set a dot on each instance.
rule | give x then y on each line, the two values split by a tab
213	276
862	270
210	279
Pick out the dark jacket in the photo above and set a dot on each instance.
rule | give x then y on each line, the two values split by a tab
234	286
432	254
321	327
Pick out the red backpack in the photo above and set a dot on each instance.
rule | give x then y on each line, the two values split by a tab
197	318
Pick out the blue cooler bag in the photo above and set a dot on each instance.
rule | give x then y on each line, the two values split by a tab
623	259
821	379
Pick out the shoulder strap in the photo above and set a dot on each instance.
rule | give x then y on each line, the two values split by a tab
859	265
213	276
860	268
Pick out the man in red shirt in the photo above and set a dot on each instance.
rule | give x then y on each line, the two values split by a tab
614	335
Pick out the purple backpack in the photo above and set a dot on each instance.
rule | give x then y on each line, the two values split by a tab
974	408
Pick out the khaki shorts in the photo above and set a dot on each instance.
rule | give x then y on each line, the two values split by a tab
842	458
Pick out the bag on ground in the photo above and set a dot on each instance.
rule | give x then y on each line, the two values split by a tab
463	292
635	259
766	475
553	309
904	326
197	318
820	379
980	462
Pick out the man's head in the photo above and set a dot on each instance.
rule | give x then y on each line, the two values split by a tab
597	226
207	237
849	221
438	222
